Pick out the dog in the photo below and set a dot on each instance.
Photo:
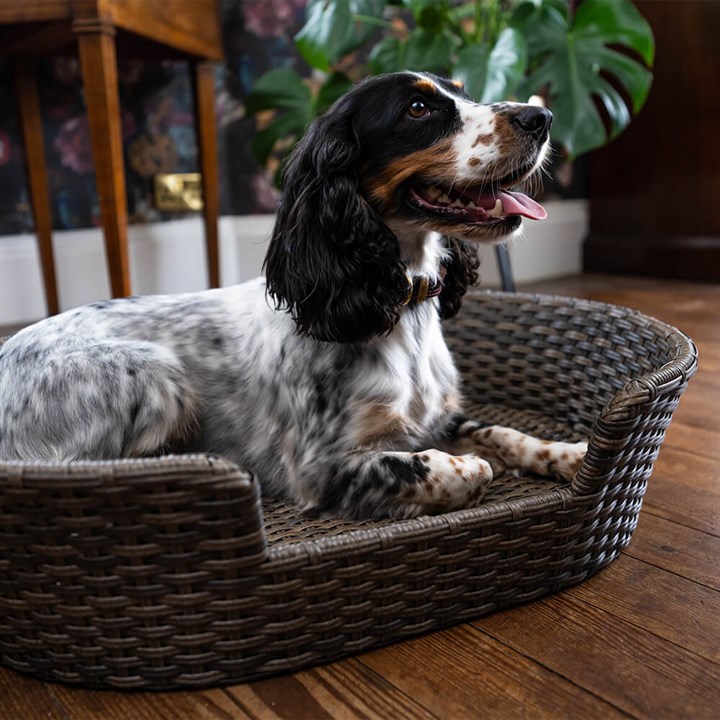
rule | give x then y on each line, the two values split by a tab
329	379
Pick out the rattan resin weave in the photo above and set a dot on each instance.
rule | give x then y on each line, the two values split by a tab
170	572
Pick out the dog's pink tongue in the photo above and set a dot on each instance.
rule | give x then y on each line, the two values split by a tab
517	203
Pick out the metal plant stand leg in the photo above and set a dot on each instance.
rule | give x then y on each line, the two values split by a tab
503	260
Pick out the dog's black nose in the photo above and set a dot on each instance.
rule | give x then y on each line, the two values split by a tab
534	121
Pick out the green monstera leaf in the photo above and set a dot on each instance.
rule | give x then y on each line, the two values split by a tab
387	56
429	14
334	87
284	91
331	31
574	58
491	74
427	50
279	89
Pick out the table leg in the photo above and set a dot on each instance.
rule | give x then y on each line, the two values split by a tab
31	122
204	81
96	43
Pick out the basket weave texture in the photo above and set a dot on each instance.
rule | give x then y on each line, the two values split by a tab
171	572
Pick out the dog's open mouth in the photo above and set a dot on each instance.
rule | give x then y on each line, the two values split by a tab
473	204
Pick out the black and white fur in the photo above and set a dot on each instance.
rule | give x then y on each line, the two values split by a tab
324	380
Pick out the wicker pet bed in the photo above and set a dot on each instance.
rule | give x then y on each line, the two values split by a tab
170	572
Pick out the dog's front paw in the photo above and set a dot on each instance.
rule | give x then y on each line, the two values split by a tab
570	457
452	481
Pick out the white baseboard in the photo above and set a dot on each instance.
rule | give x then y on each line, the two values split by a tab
170	257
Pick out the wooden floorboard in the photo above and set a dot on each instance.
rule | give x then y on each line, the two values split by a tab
453	671
679	550
640	639
680	490
627	666
659	602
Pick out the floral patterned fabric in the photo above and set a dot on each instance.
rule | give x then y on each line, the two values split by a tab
157	124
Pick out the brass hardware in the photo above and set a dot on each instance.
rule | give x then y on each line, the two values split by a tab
423	288
410	291
178	192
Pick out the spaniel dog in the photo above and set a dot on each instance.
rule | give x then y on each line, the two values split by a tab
329	379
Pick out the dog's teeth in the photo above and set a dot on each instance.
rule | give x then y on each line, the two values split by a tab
443	198
433	192
457	204
471	204
497	211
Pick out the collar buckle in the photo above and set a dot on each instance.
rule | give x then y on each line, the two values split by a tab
421	289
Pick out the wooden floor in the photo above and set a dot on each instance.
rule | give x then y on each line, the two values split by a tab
641	639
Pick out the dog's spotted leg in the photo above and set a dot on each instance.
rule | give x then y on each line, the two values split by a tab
506	448
405	484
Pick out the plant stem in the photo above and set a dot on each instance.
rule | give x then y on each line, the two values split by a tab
479	21
493	21
487	21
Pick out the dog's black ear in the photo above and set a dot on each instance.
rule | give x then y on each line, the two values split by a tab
332	263
461	270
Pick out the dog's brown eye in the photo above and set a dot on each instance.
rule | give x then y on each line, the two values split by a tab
418	109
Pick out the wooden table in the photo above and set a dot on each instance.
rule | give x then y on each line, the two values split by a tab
99	30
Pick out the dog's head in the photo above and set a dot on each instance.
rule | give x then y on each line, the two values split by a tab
432	156
406	150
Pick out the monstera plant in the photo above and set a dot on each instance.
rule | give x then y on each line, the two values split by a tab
589	59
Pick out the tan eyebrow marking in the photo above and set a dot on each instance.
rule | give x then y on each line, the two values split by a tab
458	84
428	85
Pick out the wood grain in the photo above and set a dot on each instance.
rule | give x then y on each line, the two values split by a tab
31	123
188	25
34	10
343	690
699	409
680	550
79	704
99	69
23	698
679	490
636	671
204	86
703	441
650	598
462	668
